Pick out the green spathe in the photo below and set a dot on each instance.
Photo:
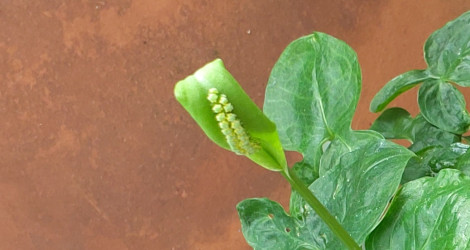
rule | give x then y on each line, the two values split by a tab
193	92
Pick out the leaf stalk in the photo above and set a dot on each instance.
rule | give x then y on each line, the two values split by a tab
321	210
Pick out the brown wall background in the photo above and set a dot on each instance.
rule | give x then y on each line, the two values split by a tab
96	153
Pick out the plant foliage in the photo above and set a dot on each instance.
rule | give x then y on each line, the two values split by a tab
353	188
312	94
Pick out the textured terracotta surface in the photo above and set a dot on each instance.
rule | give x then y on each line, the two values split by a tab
95	152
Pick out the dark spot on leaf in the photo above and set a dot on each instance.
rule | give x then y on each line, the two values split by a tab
271	216
287	230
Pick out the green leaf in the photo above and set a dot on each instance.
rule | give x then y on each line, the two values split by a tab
447	51
312	93
356	191
424	134
463	163
266	225
447	157
394	123
248	131
443	106
419	166
395	87
305	171
355	140
397	123
433	159
331	158
428	213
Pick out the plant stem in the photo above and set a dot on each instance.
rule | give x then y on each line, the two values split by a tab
310	198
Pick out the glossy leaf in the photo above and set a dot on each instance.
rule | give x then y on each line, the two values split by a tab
447	157
463	163
394	123
428	213
312	93
443	106
447	51
397	123
355	140
356	191
331	158
395	87
419	166
267	226
431	160
424	134
306	172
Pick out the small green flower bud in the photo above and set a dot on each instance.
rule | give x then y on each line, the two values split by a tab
227	131
228	107
220	117
224	125
223	99
217	108
236	125
212	98
239	131
231	117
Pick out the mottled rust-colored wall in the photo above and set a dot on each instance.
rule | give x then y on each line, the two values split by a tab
96	154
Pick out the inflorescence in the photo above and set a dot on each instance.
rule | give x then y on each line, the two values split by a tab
236	136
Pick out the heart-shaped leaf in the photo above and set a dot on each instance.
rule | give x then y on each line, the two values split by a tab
428	213
356	191
433	159
312	94
394	123
443	106
397	123
447	51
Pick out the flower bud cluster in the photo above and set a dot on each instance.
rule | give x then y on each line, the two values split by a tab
236	136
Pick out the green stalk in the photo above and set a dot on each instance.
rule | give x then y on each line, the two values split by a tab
310	198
